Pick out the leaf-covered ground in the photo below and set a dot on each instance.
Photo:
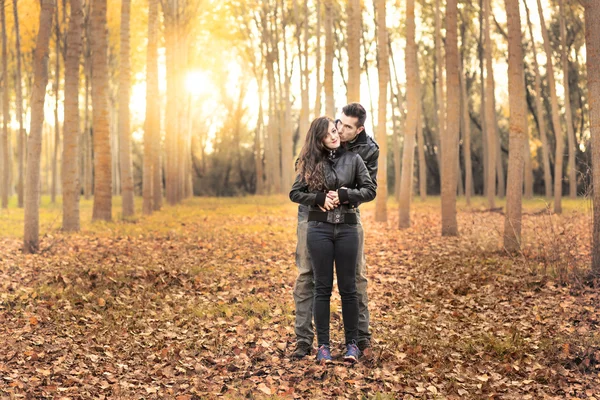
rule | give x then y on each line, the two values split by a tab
196	302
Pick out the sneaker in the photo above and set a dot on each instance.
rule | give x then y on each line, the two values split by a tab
302	350
352	353
324	355
364	344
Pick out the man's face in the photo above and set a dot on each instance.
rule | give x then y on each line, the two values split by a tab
348	129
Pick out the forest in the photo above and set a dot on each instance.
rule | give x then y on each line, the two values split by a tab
148	147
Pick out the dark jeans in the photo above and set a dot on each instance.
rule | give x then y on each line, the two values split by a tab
328	243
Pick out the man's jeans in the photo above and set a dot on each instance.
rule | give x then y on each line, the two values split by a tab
304	287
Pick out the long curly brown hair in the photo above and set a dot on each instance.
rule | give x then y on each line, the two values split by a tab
314	153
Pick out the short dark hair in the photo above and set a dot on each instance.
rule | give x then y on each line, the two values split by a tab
356	110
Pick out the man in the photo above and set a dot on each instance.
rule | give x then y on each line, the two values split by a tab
351	128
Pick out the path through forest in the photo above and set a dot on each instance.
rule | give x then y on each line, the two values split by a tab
196	302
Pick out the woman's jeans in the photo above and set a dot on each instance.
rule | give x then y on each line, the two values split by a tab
328	243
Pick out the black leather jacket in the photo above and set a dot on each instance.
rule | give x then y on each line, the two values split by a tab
367	148
347	170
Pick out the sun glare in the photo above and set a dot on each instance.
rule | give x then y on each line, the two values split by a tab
198	83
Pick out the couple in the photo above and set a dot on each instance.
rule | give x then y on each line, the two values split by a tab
337	170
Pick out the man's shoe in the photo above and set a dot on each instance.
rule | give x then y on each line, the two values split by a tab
364	344
324	355
352	353
302	350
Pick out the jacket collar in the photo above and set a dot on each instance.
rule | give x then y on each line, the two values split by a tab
361	138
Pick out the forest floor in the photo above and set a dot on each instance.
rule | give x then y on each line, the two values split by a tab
195	301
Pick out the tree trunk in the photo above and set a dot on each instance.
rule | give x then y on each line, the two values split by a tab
450	139
328	78
319	86
540	112
258	154
571	140
528	171
152	123
102	209
439	78
412	115
560	144
70	158
421	143
592	41
499	164
6	147
490	112
34	147
517	129
124	124
481	54
171	111
56	89
466	133
383	70
354	29
21	138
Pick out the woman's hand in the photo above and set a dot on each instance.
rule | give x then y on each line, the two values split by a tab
334	196
329	204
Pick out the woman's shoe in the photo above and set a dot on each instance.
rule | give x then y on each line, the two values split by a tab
352	353
323	355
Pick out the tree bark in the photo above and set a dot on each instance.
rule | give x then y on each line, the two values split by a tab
56	88
571	140
353	37
592	41
517	128
152	123
124	123
412	115
466	132
490	112
560	144
102	209
34	147
328	78
450	139
540	112
440	84
6	147
383	69
319	86
70	158
21	138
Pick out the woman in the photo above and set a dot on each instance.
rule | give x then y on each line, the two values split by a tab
332	181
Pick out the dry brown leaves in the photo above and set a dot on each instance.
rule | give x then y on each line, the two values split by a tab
196	302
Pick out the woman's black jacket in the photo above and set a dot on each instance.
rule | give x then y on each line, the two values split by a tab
345	172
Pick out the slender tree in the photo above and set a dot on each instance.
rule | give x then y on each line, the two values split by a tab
439	81
70	158
152	124
353	37
450	139
412	115
319	83
124	124
328	70
517	128
102	209
465	123
56	89
560	144
592	42
21	138
383	70
6	147
571	140
31	240
541	121
490	112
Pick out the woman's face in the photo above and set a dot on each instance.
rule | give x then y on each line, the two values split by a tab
332	139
